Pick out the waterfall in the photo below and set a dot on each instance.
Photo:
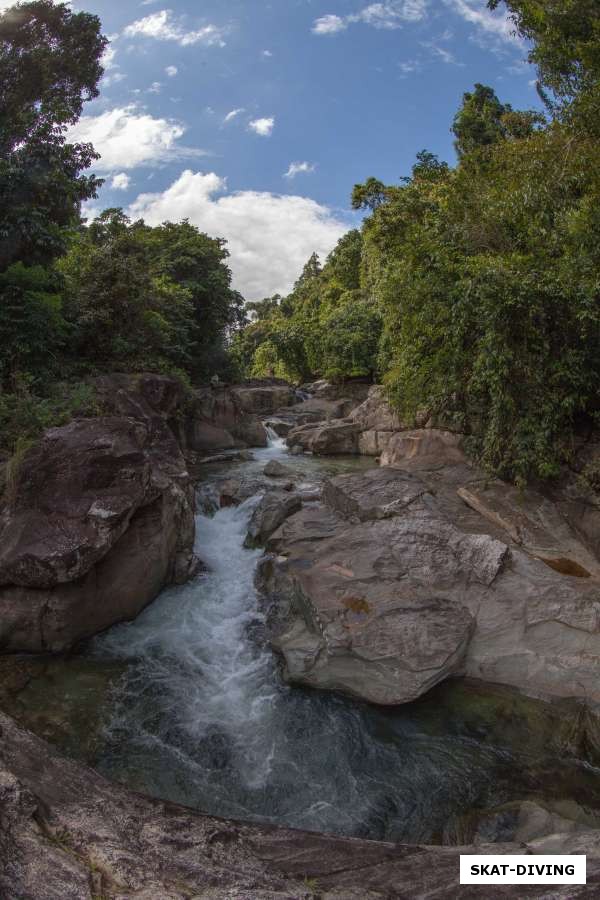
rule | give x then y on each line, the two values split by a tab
274	441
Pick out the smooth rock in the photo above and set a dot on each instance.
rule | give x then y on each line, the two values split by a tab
395	584
275	469
271	512
69	834
423	448
99	521
328	439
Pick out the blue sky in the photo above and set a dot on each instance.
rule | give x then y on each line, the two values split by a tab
254	118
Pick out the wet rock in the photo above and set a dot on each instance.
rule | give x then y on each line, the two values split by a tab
522	822
271	512
69	833
229	492
296	450
275	469
280	427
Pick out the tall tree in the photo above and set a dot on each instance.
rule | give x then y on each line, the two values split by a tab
50	64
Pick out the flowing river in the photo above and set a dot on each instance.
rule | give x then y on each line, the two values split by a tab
187	703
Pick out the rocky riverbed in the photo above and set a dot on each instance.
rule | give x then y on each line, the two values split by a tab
418	584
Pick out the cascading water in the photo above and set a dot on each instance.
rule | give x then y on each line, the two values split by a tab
203	717
276	443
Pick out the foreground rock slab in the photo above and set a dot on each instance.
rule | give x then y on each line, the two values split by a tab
69	834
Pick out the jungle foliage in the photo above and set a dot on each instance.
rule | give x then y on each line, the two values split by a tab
473	291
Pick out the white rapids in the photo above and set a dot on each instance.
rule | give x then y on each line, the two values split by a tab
203	717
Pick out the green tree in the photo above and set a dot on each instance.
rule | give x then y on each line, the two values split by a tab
483	120
49	66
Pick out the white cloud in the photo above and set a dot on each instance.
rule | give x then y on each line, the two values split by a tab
269	236
392	14
299	168
264	127
155	87
233	114
113	78
408	66
171	71
498	25
127	137
267	53
329	25
163	26
120	182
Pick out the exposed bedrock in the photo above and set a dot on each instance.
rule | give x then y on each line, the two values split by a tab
99	520
412	573
99	515
364	428
68	834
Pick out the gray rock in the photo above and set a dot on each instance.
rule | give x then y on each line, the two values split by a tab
99	521
69	834
326	439
423	448
275	469
271	512
395	584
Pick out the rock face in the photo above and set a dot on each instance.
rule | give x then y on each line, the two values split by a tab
68	834
218	420
326	439
355	388
405	577
424	447
271	512
99	520
263	397
366	428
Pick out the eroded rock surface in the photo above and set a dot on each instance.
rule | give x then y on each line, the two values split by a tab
68	834
99	520
397	583
273	509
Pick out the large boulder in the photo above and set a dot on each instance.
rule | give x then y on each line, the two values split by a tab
99	519
217	419
275	469
69	834
355	388
423	448
369	426
396	583
326	439
263	398
274	508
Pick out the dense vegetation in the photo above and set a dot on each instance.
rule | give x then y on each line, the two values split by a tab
74	300
474	291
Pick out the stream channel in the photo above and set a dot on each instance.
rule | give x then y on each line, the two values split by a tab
187	703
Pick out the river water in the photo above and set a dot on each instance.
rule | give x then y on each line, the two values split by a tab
196	712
